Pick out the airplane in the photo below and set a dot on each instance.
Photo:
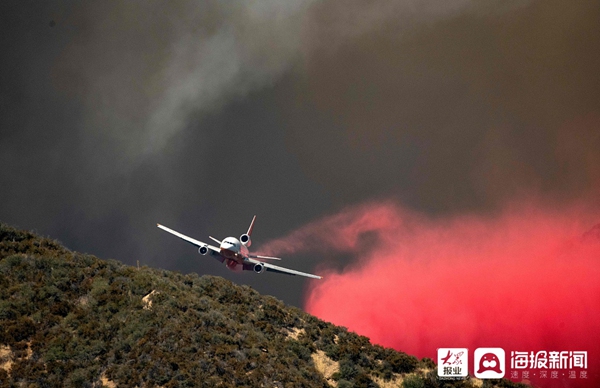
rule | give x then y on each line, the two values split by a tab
234	253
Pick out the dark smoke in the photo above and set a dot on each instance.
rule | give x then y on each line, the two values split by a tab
117	115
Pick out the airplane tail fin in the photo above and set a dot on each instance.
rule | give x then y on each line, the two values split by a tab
245	238
249	233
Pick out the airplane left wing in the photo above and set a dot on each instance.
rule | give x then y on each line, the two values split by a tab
286	271
214	251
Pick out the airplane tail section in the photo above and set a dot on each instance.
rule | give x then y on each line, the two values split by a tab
249	233
245	238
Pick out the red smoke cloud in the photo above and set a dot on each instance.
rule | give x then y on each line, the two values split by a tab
527	279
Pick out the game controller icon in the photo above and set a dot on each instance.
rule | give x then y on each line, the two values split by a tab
489	361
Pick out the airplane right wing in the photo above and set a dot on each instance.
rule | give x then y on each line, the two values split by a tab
275	268
213	251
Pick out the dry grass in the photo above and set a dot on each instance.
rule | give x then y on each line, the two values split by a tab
106	382
394	382
294	332
5	358
326	366
147	301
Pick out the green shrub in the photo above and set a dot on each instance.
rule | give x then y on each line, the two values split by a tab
413	381
347	369
68	316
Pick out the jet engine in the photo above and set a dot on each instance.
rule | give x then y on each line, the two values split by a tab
245	239
259	268
203	250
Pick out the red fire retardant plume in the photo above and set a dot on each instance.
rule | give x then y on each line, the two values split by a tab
525	280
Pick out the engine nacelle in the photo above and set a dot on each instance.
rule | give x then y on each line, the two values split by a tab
245	239
203	250
259	268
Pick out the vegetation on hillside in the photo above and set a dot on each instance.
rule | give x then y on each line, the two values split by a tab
71	319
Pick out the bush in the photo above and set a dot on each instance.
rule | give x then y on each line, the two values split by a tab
413	381
344	384
21	330
347	369
402	362
428	363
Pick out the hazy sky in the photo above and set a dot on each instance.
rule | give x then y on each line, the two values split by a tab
117	115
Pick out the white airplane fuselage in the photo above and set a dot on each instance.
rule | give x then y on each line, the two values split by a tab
232	249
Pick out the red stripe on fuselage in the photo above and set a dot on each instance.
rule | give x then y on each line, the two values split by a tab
232	255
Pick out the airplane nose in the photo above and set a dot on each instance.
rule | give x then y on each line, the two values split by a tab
229	249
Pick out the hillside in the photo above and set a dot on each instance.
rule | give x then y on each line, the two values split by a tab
71	319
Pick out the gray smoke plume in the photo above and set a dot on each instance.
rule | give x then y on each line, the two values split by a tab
199	114
144	71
